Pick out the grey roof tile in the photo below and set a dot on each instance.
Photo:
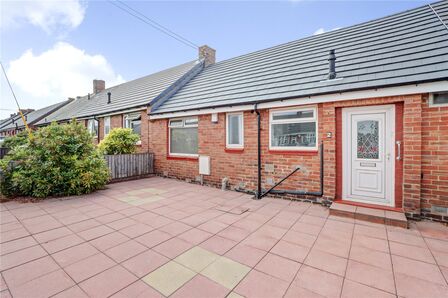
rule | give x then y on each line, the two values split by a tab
33	117
404	48
133	94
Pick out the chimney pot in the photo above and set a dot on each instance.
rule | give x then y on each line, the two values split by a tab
208	54
98	86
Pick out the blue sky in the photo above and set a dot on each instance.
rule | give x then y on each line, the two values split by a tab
52	50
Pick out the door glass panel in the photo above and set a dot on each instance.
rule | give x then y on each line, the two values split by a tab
368	139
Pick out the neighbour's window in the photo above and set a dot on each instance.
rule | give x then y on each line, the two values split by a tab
106	125
183	136
133	121
235	130
92	126
438	99
294	129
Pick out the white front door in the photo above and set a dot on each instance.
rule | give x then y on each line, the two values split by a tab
368	146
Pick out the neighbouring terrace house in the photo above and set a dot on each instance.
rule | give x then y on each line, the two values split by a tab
126	105
361	111
11	119
32	117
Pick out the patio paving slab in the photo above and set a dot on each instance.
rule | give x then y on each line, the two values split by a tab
187	244
196	258
226	272
168	278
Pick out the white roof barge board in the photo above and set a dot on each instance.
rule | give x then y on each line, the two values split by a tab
406	48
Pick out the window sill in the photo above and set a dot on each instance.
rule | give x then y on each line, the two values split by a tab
234	150
296	152
179	157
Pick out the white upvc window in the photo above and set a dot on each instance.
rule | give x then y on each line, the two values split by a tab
133	121
92	126
183	137
438	99
235	130
293	129
106	125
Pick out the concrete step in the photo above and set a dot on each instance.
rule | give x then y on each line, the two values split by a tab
391	218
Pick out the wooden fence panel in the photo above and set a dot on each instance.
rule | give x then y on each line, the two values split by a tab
124	166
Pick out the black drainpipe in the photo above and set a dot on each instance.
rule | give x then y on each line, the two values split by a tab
256	111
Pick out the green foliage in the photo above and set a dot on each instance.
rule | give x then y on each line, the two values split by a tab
119	141
19	139
58	160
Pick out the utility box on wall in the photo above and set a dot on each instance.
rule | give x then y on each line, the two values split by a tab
204	165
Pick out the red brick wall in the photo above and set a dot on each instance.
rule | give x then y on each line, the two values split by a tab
117	121
100	129
434	190
144	137
241	167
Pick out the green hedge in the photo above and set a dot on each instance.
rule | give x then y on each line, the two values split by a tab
58	160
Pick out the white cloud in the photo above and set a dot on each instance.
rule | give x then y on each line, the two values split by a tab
62	71
322	30
50	15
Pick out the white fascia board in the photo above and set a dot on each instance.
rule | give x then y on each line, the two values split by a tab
440	86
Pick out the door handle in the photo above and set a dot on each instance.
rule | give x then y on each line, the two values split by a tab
398	149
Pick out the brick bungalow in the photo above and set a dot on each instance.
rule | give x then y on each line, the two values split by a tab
32	117
125	105
375	95
11	119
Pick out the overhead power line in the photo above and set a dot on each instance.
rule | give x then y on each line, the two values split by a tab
17	102
135	13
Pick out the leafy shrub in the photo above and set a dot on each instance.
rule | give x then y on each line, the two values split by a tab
119	141
58	160
19	139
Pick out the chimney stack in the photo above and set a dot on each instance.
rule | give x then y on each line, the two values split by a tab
332	65
208	54
98	86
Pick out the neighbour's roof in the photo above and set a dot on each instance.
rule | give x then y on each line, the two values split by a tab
34	116
133	94
404	48
12	118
